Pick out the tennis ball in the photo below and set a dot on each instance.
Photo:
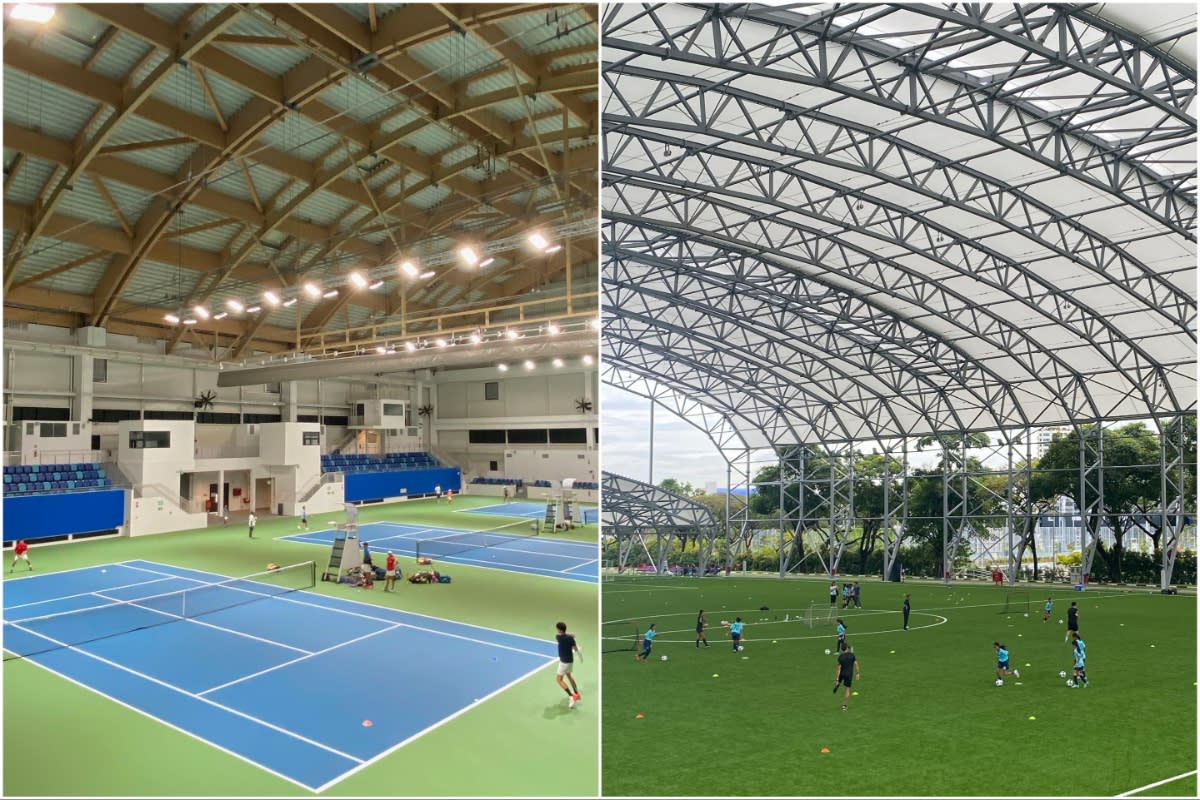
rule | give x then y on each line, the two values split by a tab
715	675
774	641
1033	717
104	570
855	694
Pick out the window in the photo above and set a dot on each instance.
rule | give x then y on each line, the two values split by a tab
312	437
100	370
163	414
342	421
20	413
53	430
145	440
485	437
522	436
493	466
308	418
273	388
568	436
393	409
218	418
491	390
260	418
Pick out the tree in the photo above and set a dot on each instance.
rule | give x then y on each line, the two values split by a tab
869	493
680	488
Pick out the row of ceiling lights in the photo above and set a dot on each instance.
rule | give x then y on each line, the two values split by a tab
467	254
480	336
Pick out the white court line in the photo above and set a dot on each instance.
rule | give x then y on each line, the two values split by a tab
437	724
193	695
171	725
577	566
298	660
57	572
200	622
83	594
1132	792
372	606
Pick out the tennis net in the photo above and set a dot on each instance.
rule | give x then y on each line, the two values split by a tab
452	544
30	636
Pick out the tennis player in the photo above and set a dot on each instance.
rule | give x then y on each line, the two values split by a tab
567	648
252	521
389	573
21	553
304	516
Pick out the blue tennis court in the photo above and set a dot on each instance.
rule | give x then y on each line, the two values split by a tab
567	559
524	510
278	677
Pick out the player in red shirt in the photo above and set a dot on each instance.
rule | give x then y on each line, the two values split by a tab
389	573
21	553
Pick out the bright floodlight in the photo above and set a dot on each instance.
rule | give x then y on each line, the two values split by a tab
410	346
596	323
502	367
440	342
487	262
476	338
235	306
408	269
312	290
253	309
528	365
201	312
538	241
330	293
291	301
271	298
427	274
171	318
189	321
32	12
375	285
558	362
357	279
552	249
512	334
552	329
221	315
469	256
587	360
381	349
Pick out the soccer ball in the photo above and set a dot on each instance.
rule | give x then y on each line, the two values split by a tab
664	658
999	682
741	648
1062	674
1071	683
826	651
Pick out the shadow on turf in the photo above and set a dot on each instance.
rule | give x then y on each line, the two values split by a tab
557	710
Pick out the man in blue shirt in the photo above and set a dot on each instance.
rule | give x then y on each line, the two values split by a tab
1002	669
647	643
735	633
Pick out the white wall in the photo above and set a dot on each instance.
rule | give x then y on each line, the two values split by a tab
550	464
157	466
159	515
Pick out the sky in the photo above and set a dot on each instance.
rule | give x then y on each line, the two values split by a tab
681	451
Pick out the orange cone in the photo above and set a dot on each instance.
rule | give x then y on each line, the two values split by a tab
824	749
640	716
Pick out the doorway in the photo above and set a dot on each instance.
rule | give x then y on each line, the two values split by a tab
264	494
213	505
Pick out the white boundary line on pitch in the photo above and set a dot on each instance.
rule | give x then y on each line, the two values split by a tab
193	695
437	724
1180	776
171	725
942	621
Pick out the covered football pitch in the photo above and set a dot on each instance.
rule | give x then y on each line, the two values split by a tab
925	277
926	717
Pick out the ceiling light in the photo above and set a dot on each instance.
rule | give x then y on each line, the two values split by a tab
221	315
554	248
427	274
253	309
408	269
330	293
235	305
468	255
502	367
487	262
528	364
201	312
410	346
189	321
512	334
357	279
440	342
291	301
558	362
376	285
312	290
595	323
538	241
381	349
587	360
551	329
32	12
171	318
271	298
476	338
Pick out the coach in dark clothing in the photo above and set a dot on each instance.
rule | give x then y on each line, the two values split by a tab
907	608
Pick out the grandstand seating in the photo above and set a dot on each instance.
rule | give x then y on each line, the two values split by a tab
25	479
338	462
497	481
541	484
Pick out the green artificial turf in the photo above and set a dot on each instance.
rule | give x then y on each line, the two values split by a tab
928	720
61	739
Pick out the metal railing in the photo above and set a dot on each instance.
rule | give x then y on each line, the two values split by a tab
314	486
14	458
228	451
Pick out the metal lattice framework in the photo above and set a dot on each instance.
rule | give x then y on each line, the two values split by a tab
634	510
835	224
164	156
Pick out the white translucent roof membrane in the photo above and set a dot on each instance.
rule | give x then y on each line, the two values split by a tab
832	223
630	504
